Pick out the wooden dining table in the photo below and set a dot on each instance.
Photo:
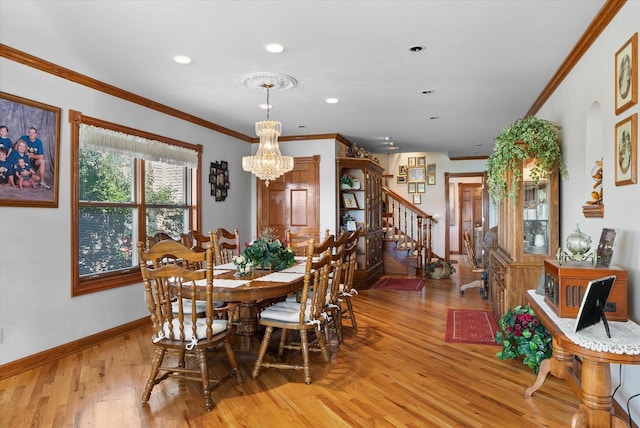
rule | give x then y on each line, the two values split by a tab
252	291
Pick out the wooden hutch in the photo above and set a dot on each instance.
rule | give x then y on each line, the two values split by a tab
362	204
528	233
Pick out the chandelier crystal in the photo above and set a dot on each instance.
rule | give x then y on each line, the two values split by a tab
268	163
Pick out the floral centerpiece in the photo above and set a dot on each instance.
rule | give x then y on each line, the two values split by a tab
243	265
268	252
439	269
524	335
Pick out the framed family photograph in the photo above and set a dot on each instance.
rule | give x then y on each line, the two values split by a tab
411	161
431	179
626	77
349	200
626	151
29	158
402	170
421	160
431	168
417	199
411	188
402	179
416	174
421	187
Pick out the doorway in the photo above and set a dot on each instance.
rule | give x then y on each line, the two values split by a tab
467	208
292	200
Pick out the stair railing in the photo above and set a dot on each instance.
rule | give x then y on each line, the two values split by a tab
412	226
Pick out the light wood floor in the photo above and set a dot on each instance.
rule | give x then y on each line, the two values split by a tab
394	370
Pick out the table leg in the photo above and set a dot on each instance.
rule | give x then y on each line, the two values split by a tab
596	393
248	327
557	365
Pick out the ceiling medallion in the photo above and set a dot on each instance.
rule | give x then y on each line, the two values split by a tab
276	81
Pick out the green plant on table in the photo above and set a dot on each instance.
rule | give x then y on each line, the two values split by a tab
526	138
524	335
268	252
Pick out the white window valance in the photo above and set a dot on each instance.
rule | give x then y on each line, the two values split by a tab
107	140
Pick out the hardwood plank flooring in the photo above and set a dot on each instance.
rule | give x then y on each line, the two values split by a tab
394	370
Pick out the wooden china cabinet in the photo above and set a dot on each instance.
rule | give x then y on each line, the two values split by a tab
528	233
361	207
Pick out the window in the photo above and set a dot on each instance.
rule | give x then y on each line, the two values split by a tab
126	185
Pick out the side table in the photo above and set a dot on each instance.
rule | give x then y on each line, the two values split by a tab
593	389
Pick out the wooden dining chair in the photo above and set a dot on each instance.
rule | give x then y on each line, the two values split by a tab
297	240
173	286
160	236
346	286
332	303
195	241
305	316
228	245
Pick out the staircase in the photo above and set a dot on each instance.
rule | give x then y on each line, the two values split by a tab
409	227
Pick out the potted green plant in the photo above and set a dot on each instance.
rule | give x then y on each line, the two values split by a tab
268	252
523	335
439	269
529	137
346	181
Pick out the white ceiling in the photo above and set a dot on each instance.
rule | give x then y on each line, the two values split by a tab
487	61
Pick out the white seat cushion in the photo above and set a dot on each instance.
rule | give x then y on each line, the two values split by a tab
201	306
285	311
217	326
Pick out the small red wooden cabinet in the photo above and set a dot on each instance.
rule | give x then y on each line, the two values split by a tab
565	285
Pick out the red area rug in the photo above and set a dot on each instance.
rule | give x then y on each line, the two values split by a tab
471	326
399	284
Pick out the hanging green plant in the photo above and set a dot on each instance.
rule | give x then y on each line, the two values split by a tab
526	138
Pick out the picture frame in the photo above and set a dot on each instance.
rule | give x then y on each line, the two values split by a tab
411	188
349	201
431	168
421	160
411	161
19	115
417	199
431	179
402	179
606	245
415	174
626	151
360	225
626	75
219	180
402	170
421	187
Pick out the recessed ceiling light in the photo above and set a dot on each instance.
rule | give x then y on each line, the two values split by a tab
416	48
428	91
434	117
274	48
393	148
302	126
182	59
332	100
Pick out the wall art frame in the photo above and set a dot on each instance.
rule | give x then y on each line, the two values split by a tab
417	199
626	75
421	187
219	180
411	161
18	115
626	151
401	179
411	188
402	170
421	160
416	174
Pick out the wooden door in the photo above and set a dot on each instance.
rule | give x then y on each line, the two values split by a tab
470	210
293	200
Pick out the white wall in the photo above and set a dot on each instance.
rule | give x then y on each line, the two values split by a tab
585	98
37	311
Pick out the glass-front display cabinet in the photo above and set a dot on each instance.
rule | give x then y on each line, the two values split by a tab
528	233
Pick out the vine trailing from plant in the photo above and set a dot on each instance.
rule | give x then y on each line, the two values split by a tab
529	137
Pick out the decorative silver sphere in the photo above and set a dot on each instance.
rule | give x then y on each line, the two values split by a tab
578	243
